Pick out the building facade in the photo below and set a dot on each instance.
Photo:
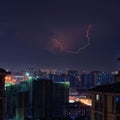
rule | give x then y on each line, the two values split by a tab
42	99
105	102
60	97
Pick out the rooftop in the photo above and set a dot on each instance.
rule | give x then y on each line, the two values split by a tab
4	71
111	88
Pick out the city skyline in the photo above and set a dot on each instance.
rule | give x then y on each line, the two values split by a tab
38	34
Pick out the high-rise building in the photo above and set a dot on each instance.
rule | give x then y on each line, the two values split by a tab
58	77
102	78
35	99
22	105
3	73
72	77
105	102
18	100
42	99
60	97
11	94
87	81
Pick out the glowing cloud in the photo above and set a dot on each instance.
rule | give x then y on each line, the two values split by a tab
58	45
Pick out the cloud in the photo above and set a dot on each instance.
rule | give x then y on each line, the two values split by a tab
59	46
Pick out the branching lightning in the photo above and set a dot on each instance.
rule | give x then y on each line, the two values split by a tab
59	45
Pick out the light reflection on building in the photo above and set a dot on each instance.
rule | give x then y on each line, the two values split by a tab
85	101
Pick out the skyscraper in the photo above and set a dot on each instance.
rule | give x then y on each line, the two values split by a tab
11	94
42	99
60	97
22	105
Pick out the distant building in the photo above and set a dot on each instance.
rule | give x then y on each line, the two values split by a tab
105	102
102	78
72	77
58	77
87	81
92	79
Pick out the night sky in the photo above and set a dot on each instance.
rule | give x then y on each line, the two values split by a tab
37	34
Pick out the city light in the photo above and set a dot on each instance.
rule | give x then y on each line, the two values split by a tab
9	80
85	101
27	74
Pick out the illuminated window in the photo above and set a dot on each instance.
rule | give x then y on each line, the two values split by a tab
99	102
97	97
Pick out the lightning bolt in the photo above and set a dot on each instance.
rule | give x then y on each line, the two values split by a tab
59	45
